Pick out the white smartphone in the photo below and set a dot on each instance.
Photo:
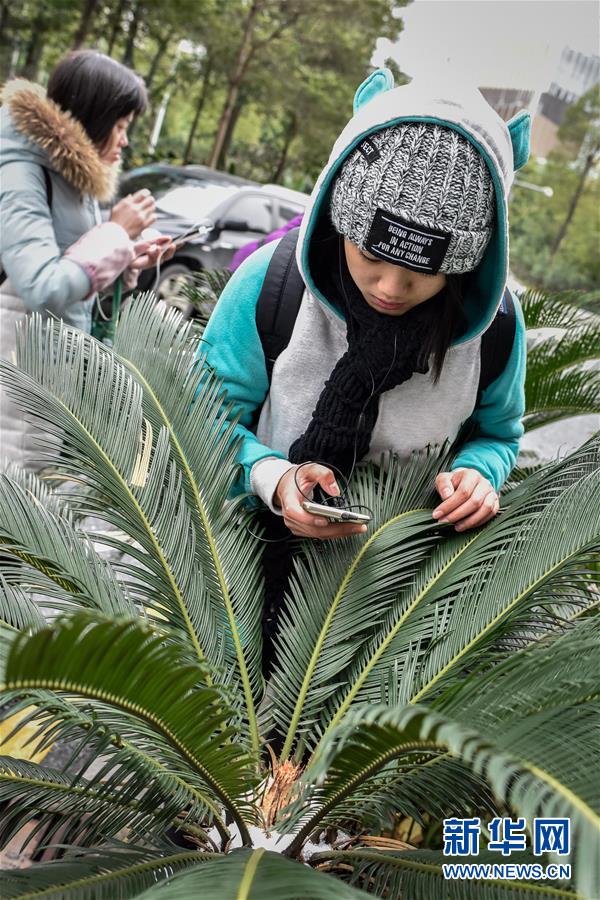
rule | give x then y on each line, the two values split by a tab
334	514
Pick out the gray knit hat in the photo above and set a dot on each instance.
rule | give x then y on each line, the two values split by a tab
416	194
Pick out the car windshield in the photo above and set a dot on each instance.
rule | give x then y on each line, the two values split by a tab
193	202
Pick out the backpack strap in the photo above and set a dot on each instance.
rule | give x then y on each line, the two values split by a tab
497	343
279	300
48	181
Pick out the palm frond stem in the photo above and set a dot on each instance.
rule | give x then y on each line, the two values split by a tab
354	690
247	688
91	880
327	625
249	874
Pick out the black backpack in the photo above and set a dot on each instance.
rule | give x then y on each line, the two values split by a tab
281	295
48	180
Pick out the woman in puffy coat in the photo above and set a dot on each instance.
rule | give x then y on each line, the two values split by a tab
59	156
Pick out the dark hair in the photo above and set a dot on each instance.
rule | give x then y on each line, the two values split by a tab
449	321
97	90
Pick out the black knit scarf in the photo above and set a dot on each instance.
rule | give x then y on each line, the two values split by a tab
383	352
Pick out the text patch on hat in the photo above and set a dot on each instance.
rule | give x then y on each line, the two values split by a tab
413	246
369	150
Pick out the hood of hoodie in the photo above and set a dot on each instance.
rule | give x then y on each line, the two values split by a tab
503	145
34	127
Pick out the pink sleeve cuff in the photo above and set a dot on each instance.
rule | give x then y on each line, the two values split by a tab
103	253
130	279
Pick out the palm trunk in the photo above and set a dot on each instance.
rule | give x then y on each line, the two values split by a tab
245	53
187	155
85	23
589	162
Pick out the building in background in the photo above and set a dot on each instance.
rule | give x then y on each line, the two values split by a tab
508	101
575	74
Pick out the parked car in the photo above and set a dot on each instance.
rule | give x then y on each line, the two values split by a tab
228	210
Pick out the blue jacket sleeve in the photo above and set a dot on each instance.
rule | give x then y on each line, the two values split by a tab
234	350
498	418
39	274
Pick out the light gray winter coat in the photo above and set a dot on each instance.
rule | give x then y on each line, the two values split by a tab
55	259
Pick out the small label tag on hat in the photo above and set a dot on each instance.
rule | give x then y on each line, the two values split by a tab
368	149
413	246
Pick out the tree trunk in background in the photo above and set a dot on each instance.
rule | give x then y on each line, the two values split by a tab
131	35
589	162
163	43
244	56
187	155
290	134
233	120
33	51
117	20
85	23
6	41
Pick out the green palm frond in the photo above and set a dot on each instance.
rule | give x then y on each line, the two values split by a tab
560	395
419	875
472	587
575	346
130	667
508	725
41	490
562	369
559	310
111	746
18	611
100	874
251	874
417	786
329	617
69	382
82	813
48	543
161	351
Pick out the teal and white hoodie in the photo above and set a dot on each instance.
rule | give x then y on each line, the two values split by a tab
418	412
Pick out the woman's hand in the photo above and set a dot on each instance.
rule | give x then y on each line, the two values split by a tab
289	498
469	500
148	252
135	212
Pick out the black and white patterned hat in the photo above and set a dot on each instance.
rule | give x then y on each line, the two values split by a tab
416	194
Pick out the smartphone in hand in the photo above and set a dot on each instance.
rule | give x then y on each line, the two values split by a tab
334	514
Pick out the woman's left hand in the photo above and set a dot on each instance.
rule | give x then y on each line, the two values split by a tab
469	500
148	252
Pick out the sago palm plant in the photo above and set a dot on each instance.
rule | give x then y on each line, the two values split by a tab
419	672
563	361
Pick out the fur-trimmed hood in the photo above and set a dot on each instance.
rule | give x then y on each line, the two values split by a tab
53	138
